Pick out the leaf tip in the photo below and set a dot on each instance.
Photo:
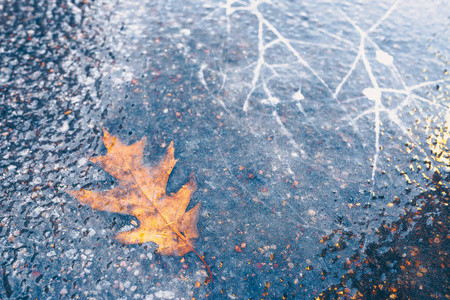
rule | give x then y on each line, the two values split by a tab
192	179
105	133
108	140
171	148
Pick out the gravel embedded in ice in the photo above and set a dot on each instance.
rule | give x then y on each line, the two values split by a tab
165	294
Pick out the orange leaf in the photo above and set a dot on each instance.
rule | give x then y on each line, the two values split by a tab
141	192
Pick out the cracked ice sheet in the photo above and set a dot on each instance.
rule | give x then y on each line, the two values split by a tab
300	108
313	99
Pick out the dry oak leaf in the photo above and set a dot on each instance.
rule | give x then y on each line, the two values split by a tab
141	192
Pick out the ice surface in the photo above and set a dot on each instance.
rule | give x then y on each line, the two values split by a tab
310	127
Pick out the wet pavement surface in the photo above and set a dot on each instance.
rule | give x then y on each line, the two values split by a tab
317	132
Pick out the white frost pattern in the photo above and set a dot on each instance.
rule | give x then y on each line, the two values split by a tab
375	93
268	31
